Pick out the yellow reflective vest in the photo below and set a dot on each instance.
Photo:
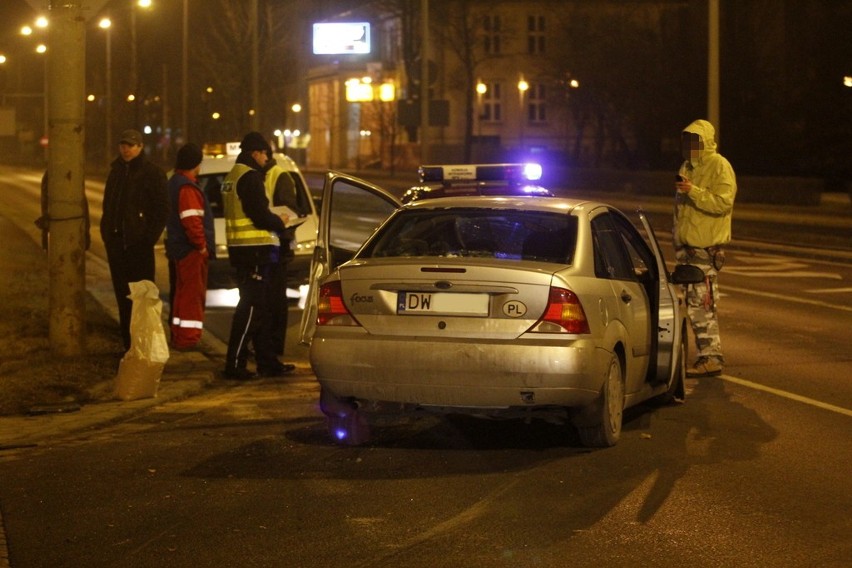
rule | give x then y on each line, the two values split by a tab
239	229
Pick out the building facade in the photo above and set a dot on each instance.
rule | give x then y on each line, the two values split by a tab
494	92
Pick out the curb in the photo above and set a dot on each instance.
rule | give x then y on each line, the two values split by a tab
19	432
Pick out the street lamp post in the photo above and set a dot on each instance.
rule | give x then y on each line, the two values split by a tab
42	49
134	59
523	87
297	151
481	89
105	24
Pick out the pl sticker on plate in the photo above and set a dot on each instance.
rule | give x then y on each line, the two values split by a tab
514	309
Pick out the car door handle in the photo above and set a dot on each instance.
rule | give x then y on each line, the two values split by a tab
625	297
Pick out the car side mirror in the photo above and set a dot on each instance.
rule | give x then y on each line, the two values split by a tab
687	274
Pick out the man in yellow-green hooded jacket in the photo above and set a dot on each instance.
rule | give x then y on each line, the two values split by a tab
704	202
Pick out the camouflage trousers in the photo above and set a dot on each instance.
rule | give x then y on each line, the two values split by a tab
702	299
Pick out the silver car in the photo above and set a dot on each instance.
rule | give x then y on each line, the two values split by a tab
499	306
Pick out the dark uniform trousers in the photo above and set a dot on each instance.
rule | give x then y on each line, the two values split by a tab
252	321
127	265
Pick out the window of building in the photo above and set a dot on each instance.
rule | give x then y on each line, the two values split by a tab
491	38
535	35
536	103
492	103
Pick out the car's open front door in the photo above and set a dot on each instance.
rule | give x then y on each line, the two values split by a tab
351	211
668	329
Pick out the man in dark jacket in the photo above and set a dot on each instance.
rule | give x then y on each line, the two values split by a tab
253	233
135	209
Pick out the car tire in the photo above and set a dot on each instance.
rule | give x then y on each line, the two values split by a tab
677	389
599	426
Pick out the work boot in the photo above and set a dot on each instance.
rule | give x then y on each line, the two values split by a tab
238	374
275	370
705	367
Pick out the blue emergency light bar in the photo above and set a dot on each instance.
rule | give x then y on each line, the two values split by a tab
518	173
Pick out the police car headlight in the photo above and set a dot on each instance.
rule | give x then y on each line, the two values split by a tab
306	247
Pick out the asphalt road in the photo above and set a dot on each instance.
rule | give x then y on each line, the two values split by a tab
751	471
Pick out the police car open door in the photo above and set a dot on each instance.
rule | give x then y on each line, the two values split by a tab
351	211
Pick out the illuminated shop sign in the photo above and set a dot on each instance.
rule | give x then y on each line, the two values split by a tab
341	38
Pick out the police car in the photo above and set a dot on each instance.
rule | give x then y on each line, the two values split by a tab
489	301
218	161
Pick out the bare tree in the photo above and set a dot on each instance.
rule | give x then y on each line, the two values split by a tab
461	31
221	57
625	64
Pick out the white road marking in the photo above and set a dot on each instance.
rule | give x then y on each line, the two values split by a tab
788	298
785	394
829	290
751	272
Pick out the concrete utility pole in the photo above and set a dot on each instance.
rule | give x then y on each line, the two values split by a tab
424	83
184	73
713	65
255	68
66	251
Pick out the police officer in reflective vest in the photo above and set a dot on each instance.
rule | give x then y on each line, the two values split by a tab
252	231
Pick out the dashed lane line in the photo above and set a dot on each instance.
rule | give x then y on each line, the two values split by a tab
789	395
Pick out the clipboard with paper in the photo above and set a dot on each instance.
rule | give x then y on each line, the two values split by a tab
293	218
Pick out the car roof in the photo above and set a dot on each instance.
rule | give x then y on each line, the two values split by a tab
224	164
552	204
217	164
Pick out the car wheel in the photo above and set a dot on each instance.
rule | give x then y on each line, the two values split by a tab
346	424
599	426
676	390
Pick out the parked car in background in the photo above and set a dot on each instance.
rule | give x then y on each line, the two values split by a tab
489	303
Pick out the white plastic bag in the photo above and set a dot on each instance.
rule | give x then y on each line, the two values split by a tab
142	366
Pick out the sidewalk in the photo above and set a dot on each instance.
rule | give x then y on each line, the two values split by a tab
186	373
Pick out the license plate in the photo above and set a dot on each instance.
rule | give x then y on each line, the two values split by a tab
442	303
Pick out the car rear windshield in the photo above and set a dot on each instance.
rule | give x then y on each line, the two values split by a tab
476	232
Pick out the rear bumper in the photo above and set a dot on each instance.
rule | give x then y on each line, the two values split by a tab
457	374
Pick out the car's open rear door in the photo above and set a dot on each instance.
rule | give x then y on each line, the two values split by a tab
351	211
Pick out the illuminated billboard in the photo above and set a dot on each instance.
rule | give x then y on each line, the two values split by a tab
341	38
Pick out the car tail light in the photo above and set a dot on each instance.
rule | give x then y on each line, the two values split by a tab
330	307
564	314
